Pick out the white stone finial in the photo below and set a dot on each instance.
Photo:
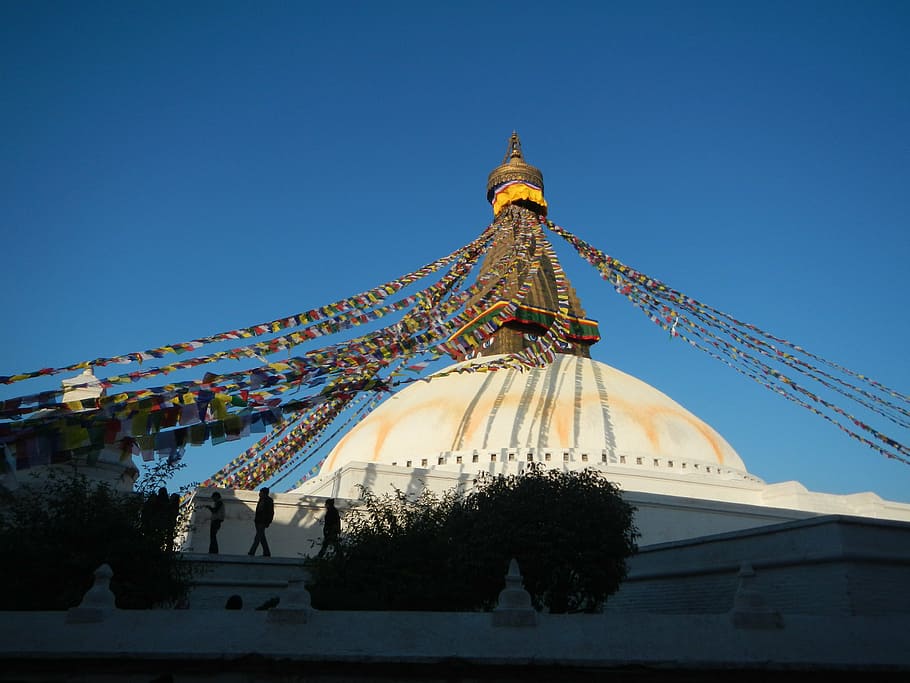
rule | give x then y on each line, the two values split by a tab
97	601
295	603
297	596
514	605
100	594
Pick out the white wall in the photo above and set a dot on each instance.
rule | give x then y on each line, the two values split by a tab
671	505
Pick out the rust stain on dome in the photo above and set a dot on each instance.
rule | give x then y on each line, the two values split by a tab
603	408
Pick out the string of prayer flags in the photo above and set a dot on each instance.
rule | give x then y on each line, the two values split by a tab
753	352
363	300
295	401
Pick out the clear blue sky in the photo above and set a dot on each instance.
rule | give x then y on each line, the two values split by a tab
173	170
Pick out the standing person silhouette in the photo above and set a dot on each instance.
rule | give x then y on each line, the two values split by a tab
331	527
265	512
173	516
155	517
215	523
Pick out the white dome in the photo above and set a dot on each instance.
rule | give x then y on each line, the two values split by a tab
576	405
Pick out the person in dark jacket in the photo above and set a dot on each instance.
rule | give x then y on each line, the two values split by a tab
155	517
331	527
265	512
217	510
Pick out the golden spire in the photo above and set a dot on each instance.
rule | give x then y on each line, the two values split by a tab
513	167
515	189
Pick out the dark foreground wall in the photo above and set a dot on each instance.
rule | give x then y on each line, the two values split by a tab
802	601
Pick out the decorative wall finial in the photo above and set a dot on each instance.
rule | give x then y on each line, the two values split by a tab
514	605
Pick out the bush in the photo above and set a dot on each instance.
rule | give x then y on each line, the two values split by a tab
571	533
54	536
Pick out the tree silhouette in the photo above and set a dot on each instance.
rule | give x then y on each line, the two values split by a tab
571	533
54	535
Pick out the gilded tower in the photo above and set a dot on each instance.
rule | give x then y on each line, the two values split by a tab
515	191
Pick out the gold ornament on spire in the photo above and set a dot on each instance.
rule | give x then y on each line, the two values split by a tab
515	179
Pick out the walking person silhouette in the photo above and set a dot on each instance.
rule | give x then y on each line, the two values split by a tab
265	513
215	524
331	527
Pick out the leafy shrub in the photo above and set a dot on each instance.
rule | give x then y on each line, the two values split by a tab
571	533
54	535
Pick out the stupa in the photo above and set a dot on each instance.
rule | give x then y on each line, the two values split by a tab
731	575
109	466
559	408
572	412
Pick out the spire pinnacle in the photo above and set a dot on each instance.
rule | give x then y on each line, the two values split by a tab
514	169
514	151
